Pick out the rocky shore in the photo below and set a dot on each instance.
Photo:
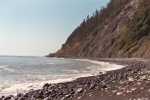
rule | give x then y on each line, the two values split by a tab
129	83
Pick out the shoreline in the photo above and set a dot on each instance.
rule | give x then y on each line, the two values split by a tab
113	85
94	68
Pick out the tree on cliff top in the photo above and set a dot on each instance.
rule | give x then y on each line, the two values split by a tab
91	23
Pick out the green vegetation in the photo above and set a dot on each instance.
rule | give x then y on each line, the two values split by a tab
138	27
90	24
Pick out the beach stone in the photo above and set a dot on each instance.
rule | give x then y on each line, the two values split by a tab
132	98
97	88
130	79
93	85
54	95
47	93
16	98
66	96
19	95
47	98
142	88
80	97
79	90
100	73
2	97
26	95
129	69
39	99
8	98
46	85
33	97
138	83
72	92
104	86
40	96
143	77
114	91
119	93
90	94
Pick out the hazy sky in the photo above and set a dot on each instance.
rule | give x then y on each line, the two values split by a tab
38	27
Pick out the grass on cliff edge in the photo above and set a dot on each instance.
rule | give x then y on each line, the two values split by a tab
138	27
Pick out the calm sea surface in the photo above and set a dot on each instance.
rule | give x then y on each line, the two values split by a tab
19	73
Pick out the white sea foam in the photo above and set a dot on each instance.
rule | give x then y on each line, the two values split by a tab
6	68
103	66
51	63
72	71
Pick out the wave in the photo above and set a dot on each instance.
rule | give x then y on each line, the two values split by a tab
72	71
103	66
6	68
51	63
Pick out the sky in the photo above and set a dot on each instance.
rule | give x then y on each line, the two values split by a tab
40	27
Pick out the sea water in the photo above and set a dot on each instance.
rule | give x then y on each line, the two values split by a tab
21	73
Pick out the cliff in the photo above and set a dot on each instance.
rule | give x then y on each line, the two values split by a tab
122	29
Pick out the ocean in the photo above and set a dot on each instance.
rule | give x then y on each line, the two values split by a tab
22	73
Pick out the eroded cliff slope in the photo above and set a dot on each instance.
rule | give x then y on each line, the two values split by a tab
123	32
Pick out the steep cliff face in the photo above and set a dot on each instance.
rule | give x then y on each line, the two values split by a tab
126	33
